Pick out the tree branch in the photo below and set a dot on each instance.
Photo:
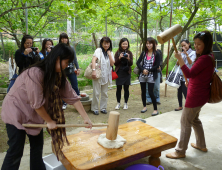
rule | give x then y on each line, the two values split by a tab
112	22
13	9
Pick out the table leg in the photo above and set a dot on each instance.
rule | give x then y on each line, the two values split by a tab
155	159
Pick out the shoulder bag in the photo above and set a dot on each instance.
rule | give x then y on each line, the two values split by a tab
215	87
136	70
88	71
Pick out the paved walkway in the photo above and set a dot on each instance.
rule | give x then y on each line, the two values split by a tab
211	117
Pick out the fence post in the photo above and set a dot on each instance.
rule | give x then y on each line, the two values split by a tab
3	48
216	63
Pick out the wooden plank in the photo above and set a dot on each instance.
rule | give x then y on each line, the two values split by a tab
142	140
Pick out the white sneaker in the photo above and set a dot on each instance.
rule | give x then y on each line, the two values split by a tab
64	106
125	106
117	106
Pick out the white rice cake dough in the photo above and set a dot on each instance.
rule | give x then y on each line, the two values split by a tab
111	144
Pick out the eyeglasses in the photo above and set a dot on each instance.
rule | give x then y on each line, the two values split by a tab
28	43
201	34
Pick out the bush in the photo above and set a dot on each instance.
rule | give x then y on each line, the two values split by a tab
84	49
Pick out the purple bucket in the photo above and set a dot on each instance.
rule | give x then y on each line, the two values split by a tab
144	167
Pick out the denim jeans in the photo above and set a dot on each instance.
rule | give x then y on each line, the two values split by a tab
16	144
73	80
156	90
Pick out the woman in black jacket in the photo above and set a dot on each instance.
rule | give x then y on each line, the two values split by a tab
148	63
26	55
72	71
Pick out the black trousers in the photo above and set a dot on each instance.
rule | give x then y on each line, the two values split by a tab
181	90
150	90
126	93
16	144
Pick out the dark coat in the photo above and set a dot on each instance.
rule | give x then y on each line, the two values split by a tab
23	61
118	62
155	65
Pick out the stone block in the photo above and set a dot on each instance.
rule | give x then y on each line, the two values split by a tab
3	90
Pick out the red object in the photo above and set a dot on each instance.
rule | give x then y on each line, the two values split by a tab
83	94
114	75
200	74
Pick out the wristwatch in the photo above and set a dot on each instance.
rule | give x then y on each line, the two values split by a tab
93	69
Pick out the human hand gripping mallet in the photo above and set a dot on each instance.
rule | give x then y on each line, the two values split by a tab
169	34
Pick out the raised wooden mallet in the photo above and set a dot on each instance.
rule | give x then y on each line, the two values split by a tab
169	34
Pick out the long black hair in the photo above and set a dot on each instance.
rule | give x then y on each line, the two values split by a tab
47	65
63	35
24	38
207	39
151	40
186	41
43	51
121	41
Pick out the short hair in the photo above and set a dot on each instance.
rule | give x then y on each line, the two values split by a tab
121	41
151	40
24	38
186	41
108	40
63	35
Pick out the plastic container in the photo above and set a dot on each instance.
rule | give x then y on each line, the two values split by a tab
136	119
51	163
144	167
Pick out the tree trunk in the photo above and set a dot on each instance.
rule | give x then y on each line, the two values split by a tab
95	40
17	40
145	23
3	48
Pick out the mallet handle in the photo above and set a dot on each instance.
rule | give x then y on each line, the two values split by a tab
175	48
62	125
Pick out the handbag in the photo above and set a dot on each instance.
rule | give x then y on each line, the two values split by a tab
12	80
173	79
215	87
88	71
114	75
136	70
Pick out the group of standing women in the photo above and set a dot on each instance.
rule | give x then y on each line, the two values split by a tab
148	63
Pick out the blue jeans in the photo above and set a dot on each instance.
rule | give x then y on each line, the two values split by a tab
156	90
73	80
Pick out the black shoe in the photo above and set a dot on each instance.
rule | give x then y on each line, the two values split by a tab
148	103
143	111
154	114
103	111
96	112
178	109
158	103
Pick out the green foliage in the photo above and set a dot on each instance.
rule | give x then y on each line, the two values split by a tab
3	81
84	49
8	46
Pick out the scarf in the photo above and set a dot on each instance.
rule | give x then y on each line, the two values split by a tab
56	113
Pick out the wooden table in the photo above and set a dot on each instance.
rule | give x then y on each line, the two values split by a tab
143	140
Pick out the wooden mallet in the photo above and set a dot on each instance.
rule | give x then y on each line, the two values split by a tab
169	34
113	123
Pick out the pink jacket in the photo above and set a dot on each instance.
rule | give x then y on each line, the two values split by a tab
26	95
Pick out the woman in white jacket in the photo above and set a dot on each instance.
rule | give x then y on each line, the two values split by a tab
103	55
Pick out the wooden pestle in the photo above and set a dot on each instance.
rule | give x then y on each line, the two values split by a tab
113	123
